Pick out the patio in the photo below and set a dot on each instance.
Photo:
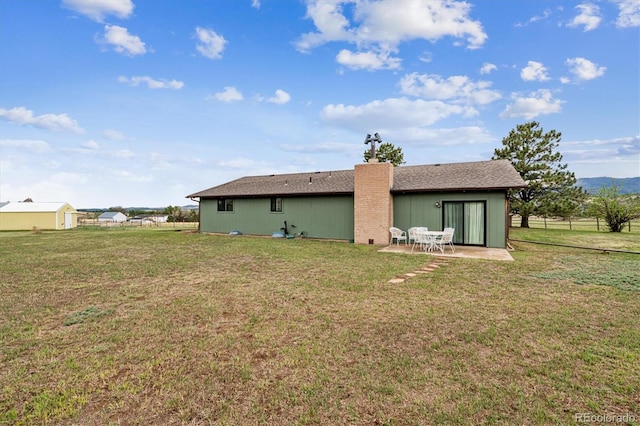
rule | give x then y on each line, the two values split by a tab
467	252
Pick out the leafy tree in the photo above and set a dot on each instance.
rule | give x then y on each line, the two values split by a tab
192	216
175	214
614	208
563	205
532	153
387	153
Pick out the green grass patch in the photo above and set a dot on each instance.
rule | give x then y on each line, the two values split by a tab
611	271
90	313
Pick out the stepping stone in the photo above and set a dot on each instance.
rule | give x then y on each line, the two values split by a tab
396	281
434	265
422	272
409	274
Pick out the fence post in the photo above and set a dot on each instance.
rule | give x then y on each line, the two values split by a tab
570	228
629	226
597	224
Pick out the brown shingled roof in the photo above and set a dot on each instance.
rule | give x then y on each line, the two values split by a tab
481	175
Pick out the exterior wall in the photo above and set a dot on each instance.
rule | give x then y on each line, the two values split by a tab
420	210
24	221
328	217
373	203
60	217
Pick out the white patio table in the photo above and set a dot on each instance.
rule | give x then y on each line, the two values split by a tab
429	238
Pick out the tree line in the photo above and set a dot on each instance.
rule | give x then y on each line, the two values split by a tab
174	213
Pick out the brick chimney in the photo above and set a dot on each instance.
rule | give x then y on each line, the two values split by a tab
373	204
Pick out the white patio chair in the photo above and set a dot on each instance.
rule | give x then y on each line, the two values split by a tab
397	234
446	239
411	234
422	239
416	237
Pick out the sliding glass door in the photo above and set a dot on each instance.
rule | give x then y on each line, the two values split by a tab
469	220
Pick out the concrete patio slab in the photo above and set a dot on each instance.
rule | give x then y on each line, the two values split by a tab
467	252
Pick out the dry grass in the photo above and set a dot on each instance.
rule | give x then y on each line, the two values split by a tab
183	328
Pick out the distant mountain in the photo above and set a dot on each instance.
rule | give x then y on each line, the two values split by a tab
624	185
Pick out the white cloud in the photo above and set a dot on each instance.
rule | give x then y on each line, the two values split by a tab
584	69
425	57
229	94
113	135
57	187
589	17
384	22
545	14
487	68
629	13
25	117
129	177
457	88
429	136
151	82
391	113
255	4
122	41
37	146
332	25
320	147
621	156
99	9
367	60
532	105
210	44
91	145
124	154
534	71
242	163
381	26
281	97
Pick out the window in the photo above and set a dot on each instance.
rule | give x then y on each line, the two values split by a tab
225	205
469	220
276	204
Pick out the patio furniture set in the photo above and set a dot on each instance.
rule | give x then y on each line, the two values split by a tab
423	238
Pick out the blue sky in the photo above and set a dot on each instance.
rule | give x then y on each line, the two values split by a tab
141	102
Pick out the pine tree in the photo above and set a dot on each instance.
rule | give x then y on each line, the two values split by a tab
534	155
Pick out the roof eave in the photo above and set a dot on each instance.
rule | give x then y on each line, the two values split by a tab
456	189
275	194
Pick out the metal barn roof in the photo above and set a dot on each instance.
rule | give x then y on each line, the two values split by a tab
28	207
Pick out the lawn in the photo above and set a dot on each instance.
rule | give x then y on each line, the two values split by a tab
162	326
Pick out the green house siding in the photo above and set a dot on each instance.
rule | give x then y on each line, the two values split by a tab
317	216
420	210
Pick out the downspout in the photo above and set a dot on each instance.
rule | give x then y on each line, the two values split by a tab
507	215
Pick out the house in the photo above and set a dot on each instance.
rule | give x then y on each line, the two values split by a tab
45	216
361	204
112	217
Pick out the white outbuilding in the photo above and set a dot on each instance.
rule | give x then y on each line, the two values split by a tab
112	217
